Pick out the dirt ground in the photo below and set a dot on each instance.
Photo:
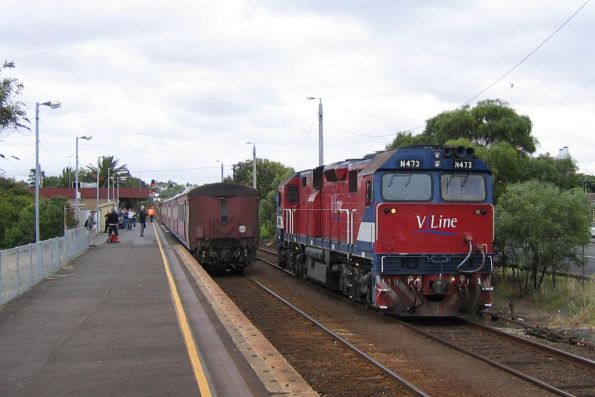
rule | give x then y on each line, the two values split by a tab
526	311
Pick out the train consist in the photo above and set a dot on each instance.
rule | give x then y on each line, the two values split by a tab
218	223
407	231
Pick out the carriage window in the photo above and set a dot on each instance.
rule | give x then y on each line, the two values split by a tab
463	187
407	187
292	194
224	210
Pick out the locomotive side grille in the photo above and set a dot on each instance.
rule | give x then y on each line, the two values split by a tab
428	265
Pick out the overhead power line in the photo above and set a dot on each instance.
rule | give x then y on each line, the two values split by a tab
372	136
519	63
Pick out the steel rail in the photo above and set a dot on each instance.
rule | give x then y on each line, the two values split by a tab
489	361
406	384
540	347
543	332
562	355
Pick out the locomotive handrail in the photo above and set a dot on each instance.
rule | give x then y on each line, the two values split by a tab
347	228
349	221
289	220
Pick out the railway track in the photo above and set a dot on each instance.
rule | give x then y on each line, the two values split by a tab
554	370
543	332
326	360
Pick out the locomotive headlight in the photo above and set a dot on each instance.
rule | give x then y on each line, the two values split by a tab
437	164
242	229
436	155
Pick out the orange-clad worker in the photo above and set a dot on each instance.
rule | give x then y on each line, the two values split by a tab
151	213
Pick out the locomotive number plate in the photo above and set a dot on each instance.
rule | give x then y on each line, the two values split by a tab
410	164
464	165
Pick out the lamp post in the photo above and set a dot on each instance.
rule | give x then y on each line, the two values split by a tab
108	173
52	105
99	158
219	161
320	141
76	179
253	163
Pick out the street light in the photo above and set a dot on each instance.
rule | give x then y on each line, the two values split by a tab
76	179
219	161
253	163
108	173
320	146
97	202
52	105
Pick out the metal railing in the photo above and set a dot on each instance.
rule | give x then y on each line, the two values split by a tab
23	267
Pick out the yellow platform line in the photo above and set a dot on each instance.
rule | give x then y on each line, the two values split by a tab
199	375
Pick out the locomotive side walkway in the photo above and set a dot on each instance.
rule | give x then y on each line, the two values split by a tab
134	319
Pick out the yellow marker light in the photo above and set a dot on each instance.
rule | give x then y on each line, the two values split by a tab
393	211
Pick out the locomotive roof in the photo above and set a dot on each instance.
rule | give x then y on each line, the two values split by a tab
223	190
376	162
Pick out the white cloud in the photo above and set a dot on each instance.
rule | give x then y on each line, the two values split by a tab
171	87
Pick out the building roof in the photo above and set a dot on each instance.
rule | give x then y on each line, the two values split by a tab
91	192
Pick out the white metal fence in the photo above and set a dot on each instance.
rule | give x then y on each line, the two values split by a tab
23	267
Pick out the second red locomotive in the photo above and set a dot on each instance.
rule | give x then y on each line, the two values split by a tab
218	223
407	231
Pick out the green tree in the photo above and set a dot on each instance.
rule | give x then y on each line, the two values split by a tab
12	112
51	222
51	181
169	189
268	174
538	227
559	171
13	197
108	164
66	178
489	122
405	138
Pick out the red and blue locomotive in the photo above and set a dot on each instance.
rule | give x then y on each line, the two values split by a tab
218	223
407	231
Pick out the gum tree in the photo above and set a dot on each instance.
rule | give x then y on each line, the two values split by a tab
538	227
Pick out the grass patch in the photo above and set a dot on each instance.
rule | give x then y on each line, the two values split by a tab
570	300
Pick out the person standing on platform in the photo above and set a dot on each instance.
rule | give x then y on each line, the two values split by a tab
112	220
142	217
151	213
90	226
130	215
106	222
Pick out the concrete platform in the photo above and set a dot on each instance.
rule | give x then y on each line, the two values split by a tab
136	318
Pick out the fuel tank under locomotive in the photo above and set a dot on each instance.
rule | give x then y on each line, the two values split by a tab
331	269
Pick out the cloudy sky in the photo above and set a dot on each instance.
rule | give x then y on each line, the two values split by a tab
171	87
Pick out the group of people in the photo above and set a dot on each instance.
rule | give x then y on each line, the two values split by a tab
121	219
